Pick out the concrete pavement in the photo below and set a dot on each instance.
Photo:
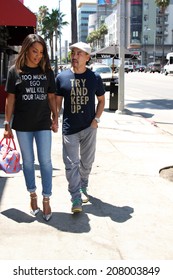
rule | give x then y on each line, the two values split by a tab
130	213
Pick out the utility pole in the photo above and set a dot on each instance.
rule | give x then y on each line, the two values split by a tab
60	32
73	22
154	43
56	52
154	46
121	37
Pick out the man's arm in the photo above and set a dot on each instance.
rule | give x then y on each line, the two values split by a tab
100	106
59	103
99	109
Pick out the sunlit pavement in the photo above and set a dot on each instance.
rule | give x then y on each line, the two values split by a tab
130	213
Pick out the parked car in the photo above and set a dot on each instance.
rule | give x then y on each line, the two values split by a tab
128	66
106	74
168	68
153	67
140	68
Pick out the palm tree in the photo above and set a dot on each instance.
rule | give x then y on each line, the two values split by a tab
162	4
52	24
103	31
43	10
97	35
48	32
73	22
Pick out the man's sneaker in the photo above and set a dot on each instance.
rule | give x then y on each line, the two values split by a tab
84	195
76	206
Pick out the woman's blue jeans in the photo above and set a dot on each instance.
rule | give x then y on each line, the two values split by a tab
43	140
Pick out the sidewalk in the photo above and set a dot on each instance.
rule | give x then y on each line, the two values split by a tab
130	213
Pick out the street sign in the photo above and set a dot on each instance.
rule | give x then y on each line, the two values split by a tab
136	52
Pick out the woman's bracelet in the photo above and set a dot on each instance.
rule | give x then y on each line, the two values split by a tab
6	122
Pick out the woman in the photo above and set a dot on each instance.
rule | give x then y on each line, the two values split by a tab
31	100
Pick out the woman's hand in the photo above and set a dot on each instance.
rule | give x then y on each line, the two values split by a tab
8	132
54	126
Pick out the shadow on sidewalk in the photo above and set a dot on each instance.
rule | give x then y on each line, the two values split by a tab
3	181
61	221
75	223
103	209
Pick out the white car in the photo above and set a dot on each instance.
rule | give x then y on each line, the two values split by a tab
106	74
168	68
128	66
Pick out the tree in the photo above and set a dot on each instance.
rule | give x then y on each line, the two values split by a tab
48	31
51	26
162	4
43	10
103	29
96	35
73	22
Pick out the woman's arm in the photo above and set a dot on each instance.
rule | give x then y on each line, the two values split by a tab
53	107
9	109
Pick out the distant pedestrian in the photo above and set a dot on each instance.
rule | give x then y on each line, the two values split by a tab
79	86
31	99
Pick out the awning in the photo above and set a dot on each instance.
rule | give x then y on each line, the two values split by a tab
107	52
8	50
110	52
14	13
19	20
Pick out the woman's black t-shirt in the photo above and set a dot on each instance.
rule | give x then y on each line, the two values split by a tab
31	88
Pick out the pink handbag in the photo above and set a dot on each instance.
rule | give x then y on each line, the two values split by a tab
9	156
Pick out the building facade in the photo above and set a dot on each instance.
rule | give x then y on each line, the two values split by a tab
84	10
92	23
111	22
152	36
143	32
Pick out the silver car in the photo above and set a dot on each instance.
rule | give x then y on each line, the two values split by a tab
106	74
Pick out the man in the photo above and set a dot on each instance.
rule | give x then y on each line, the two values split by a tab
79	86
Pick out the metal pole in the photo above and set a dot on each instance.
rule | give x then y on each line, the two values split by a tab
56	52
121	35
1	66
154	46
154	42
59	34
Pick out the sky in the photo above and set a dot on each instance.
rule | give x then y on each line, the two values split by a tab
65	8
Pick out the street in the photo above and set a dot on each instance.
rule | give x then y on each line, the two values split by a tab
151	96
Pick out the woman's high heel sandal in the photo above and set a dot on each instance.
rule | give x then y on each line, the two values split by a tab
34	208
47	214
